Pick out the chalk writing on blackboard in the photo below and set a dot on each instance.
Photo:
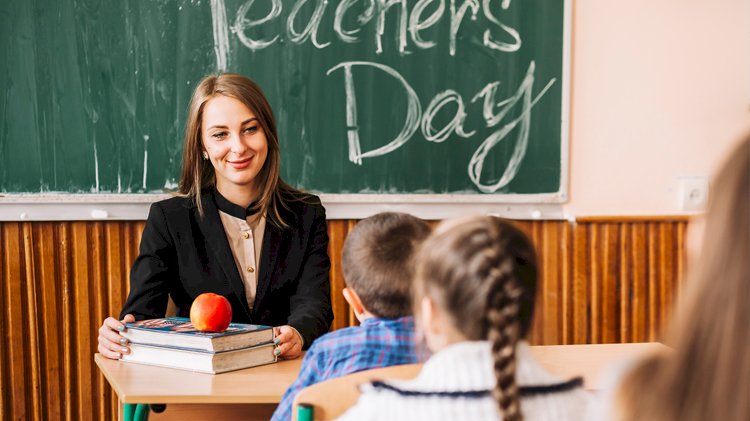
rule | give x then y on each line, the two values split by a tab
410	25
414	115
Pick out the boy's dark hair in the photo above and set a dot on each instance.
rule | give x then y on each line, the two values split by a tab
378	261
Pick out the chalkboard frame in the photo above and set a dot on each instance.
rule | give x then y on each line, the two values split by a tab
98	206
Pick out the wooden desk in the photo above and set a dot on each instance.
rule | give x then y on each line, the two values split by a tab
590	361
252	393
566	361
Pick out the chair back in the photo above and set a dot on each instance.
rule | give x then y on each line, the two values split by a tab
331	398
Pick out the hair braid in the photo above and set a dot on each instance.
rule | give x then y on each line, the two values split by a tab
481	271
503	334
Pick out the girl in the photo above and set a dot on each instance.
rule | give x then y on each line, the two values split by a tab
474	299
236	229
705	378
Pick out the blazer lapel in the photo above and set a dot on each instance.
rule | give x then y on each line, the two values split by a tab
214	232
269	256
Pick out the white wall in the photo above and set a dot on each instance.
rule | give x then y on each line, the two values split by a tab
660	90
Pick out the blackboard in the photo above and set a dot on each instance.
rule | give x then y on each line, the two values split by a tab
371	96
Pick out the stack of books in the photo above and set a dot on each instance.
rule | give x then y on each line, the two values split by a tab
174	342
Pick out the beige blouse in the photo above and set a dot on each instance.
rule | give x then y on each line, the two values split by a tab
246	241
245	235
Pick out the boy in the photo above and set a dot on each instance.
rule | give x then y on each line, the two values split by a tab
377	263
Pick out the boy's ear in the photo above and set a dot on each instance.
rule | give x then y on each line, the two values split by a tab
352	298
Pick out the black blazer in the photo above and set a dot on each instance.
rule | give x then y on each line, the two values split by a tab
183	255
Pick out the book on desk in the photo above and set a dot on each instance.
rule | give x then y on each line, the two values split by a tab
179	332
201	361
173	342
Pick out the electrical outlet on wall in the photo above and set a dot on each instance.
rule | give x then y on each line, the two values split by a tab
693	194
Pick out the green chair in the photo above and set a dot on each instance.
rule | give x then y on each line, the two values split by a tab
305	412
140	411
135	411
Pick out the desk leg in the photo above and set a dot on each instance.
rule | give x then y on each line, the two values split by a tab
128	411
135	411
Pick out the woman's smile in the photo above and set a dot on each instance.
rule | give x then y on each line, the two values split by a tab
241	164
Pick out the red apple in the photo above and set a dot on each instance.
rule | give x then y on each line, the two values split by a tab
211	313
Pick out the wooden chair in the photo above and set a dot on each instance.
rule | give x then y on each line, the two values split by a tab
331	398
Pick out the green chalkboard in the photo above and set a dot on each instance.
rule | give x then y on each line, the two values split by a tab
371	96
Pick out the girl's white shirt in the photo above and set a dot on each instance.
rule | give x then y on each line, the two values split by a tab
468	367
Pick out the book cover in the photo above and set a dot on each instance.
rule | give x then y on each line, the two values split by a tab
201	361
178	332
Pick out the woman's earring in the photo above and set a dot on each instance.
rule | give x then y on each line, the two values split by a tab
205	155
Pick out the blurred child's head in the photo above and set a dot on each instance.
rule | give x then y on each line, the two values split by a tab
709	332
378	264
475	280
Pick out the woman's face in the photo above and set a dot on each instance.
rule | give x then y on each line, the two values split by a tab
234	141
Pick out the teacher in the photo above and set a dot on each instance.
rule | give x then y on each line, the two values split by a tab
236	229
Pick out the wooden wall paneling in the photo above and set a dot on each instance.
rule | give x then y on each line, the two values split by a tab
337	231
568	295
68	320
536	334
682	258
18	377
555	290
639	294
556	240
31	321
668	276
98	253
123	240
48	305
4	403
581	312
334	236
351	317
117	274
81	340
670	257
653	279
601	280
27	310
114	282
552	280
57	244
594	280
625	276
610	283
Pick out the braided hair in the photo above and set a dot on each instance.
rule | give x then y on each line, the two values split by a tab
481	272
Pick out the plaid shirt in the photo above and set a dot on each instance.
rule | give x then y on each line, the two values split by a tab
375	343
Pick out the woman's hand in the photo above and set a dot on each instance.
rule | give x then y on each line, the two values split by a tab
288	342
111	343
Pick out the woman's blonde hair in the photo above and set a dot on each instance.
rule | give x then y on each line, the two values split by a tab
198	174
706	377
482	272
